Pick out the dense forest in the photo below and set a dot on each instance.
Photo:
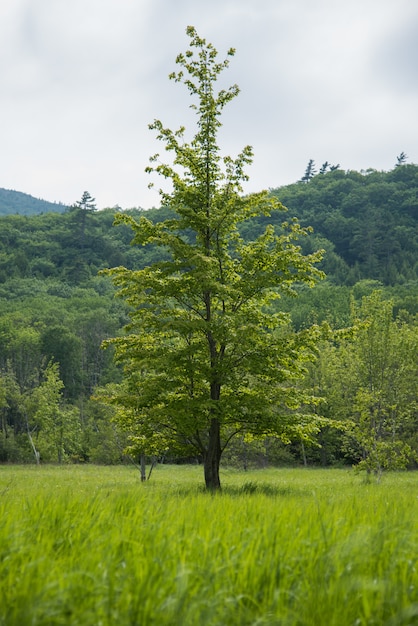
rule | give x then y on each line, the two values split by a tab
56	309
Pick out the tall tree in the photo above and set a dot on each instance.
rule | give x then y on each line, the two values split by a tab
401	159
87	202
58	425
82	207
60	344
309	172
205	357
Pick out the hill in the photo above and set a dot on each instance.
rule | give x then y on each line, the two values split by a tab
366	221
15	202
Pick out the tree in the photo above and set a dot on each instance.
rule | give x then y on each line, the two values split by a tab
87	202
309	172
20	347
82	208
60	344
325	167
205	355
57	426
374	382
401	159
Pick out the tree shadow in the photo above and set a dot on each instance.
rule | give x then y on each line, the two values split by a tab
252	488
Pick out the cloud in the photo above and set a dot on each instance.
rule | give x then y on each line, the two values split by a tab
396	59
80	81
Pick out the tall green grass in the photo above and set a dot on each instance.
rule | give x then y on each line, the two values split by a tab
93	546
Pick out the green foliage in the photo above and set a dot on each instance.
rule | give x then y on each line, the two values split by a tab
205	357
245	453
370	383
13	447
87	202
68	328
57	426
370	218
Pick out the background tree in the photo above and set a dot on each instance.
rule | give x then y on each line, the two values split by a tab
309	172
87	202
13	439
374	386
401	159
55	426
204	356
60	344
82	208
20	351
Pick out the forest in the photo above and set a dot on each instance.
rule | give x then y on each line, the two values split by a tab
57	309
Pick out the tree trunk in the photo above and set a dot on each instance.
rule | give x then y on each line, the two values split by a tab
35	451
142	463
212	456
305	460
322	450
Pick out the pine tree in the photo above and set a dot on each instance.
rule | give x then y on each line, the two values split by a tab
309	172
401	159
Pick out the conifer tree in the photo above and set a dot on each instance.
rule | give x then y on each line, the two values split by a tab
401	159
309	172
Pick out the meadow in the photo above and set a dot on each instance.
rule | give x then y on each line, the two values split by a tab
92	546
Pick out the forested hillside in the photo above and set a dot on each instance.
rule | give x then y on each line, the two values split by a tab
56	309
13	202
369	218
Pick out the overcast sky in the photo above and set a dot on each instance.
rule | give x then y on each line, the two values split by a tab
80	80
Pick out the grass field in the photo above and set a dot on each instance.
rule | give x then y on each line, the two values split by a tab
92	546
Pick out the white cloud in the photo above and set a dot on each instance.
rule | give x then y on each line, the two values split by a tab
80	81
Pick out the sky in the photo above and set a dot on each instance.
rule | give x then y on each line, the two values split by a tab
81	80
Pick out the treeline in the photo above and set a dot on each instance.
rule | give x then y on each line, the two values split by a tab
70	247
56	310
